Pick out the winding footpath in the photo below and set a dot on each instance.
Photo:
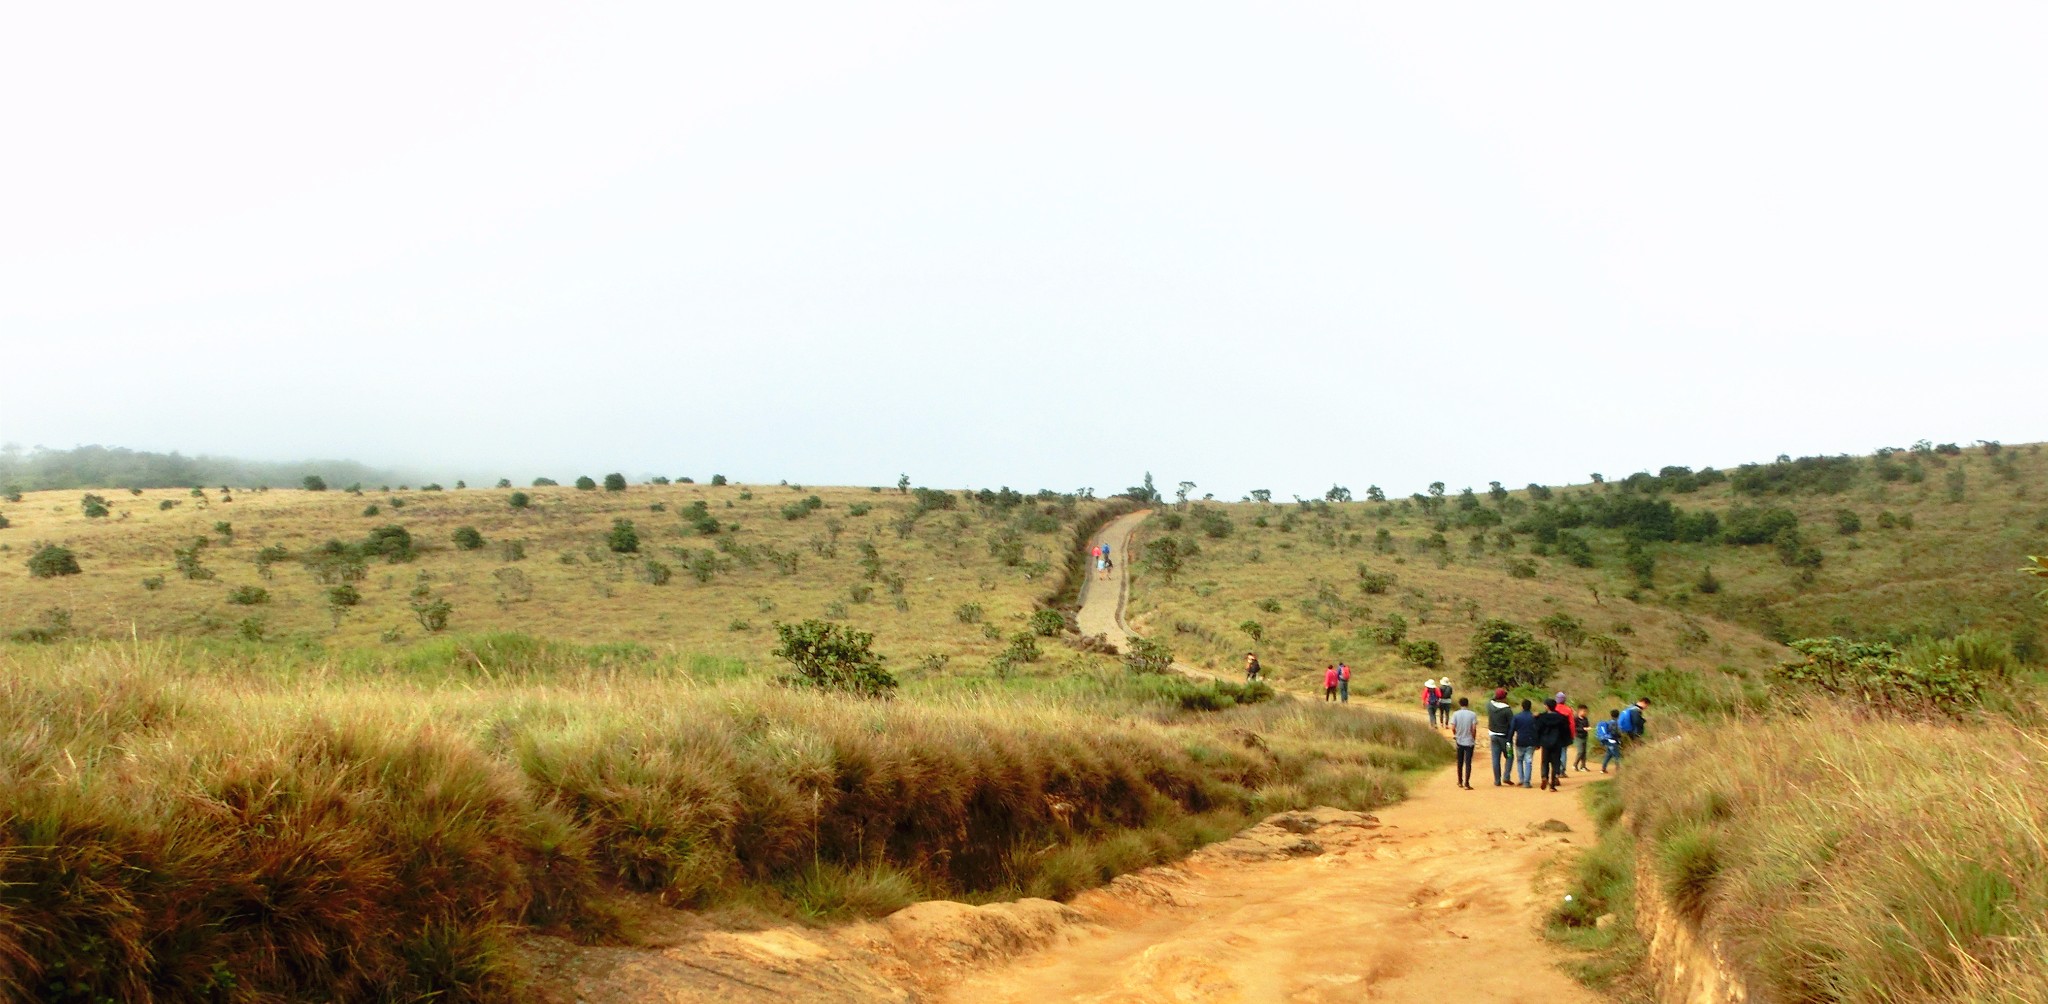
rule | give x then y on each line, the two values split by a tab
1438	897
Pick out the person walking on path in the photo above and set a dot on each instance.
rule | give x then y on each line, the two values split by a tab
1429	699
1582	730
1251	667
1609	734
1343	683
1553	734
1522	729
1632	721
1443	697
1329	683
1500	715
1465	732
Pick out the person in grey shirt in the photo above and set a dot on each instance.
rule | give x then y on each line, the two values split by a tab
1465	732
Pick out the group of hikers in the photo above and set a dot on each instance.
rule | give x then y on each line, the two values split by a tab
1102	563
1526	738
1336	678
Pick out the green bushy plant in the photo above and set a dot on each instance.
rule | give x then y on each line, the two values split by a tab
614	482
52	560
832	657
248	596
623	539
1505	654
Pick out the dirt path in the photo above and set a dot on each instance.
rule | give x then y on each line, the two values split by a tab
1440	897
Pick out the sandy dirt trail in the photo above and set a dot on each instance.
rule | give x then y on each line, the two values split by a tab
1440	896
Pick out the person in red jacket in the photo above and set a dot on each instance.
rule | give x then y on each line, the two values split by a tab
1330	683
1430	699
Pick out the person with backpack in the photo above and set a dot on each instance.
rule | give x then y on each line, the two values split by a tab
1500	716
1609	735
1429	699
1522	729
1329	683
1582	730
1553	734
1443	697
1251	667
1632	721
1465	733
1343	683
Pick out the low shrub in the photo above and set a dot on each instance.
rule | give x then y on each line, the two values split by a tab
248	596
467	538
52	560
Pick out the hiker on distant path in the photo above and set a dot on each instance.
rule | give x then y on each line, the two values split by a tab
1443	696
1522	729
1500	715
1632	721
1429	700
1329	683
1609	734
1554	735
1582	729
1251	667
1106	564
1343	684
1465	732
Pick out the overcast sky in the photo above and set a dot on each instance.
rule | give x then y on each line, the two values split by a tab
1040	245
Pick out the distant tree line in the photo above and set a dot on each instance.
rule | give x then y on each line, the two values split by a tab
116	467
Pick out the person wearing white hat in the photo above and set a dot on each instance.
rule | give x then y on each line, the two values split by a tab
1429	699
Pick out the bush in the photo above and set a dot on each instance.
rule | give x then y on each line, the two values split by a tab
166	505
343	595
152	583
467	539
1268	605
1393	630
1143	655
655	573
623	539
1707	584
393	542
1253	630
717	480
1505	654
544	482
615	482
1424	653
373	509
1374	583
518	500
1047	623
968	613
52	560
832	657
1521	568
585	484
94	506
1947	677
314	483
1847	522
248	596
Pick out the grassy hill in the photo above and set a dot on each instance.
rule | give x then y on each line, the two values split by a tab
935	577
1702	572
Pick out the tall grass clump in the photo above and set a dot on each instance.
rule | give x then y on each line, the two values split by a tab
1857	861
238	821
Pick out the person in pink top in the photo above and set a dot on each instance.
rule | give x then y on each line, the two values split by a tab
1330	683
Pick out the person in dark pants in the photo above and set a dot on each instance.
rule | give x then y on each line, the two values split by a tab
1582	730
1633	721
1553	735
1465	732
1609	734
1500	716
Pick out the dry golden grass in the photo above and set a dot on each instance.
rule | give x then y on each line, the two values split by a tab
575	589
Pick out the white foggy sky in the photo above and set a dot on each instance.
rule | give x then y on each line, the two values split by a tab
1038	245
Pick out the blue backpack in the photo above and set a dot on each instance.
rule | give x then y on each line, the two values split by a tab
1606	732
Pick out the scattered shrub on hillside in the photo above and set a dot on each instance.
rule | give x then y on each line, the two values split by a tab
166	505
1374	583
1933	677
343	595
152	583
511	550
392	542
1143	655
1957	484
1168	556
1252	629
968	613
1505	654
518	500
717	480
1707	583
1521	568
859	509
623	539
1423	652
1268	605
1818	475
52	560
544	483
467	539
1757	524
94	506
613	483
832	657
1609	656
1564	631
1847	522
373	509
248	596
314	483
654	573
586	484
1047	623
1574	548
431	611
186	559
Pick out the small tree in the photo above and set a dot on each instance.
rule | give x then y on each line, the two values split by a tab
623	539
504	482
1047	623
468	539
52	560
544	482
832	657
1144	492
1253	630
614	482
1374	494
1337	493
314	483
1610	656
1505	654
1167	556
518	500
94	506
586	484
1563	630
717	480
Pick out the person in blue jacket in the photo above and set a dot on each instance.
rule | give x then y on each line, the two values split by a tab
1523	731
1632	720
